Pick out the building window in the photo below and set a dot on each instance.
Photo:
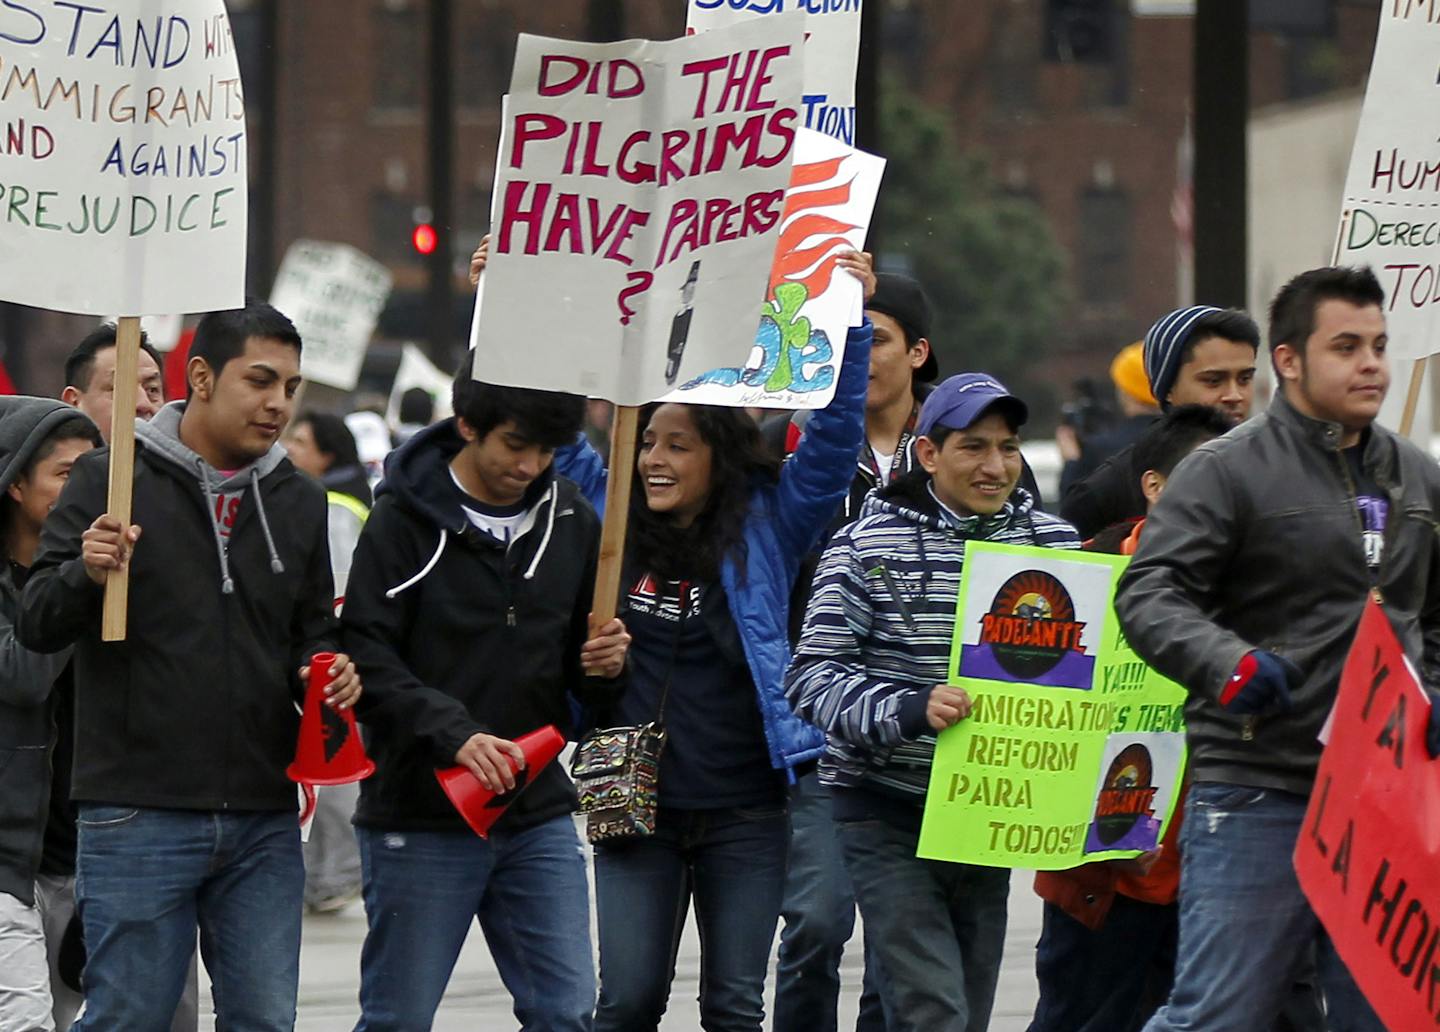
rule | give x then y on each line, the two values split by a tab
902	33
486	41
1107	84
392	224
1103	253
1014	60
399	30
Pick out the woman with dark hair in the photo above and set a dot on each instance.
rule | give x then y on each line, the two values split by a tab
319	443
716	535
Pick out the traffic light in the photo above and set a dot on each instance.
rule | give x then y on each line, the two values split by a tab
1079	30
424	238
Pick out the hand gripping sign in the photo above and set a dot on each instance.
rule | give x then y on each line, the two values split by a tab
1368	857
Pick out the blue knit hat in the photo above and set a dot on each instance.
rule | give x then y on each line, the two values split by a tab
1164	346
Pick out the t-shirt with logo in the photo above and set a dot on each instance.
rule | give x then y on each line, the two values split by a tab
1373	506
501	522
227	507
715	753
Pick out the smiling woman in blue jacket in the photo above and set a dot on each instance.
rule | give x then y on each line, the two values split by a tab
717	532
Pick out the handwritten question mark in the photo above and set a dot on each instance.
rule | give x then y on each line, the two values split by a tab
639	282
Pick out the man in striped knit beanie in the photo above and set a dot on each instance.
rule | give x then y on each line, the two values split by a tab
1200	355
870	671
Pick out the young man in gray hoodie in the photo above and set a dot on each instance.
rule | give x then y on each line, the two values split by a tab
39	443
184	730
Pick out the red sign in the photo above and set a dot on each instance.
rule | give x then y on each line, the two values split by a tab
1369	855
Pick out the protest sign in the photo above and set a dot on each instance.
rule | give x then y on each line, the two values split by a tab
1391	216
1075	749
811	303
832	51
641	186
334	295
418	371
1368	856
122	126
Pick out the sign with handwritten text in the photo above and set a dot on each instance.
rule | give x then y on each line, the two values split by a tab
1368	855
122	157
640	188
832	51
1391	217
1075	749
811	302
334	294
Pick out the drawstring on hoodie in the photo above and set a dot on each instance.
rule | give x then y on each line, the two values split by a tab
227	583
549	529
424	570
276	566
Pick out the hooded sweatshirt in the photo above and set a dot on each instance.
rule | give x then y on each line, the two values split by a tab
27	679
458	631
230	594
879	629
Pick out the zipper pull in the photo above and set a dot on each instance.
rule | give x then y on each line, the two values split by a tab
1247	732
1377	596
510	616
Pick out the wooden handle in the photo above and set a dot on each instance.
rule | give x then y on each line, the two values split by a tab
122	468
617	512
1412	399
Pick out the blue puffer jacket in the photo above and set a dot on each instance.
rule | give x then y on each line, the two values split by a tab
785	523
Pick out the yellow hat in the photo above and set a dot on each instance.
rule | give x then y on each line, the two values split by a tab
1128	372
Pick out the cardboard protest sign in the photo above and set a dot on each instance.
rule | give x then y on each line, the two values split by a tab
641	187
122	127
334	295
1368	856
1391	217
832	51
1075	749
811	303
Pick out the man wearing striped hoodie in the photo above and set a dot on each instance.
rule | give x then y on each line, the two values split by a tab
870	670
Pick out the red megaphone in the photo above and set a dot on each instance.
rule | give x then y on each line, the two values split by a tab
481	807
329	751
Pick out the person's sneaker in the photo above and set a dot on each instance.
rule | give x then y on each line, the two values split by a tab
333	904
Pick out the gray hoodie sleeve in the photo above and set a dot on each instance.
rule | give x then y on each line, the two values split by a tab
1165	597
25	676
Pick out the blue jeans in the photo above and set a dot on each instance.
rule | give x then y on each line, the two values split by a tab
1244	923
527	887
819	912
937	929
1108	980
147	877
732	862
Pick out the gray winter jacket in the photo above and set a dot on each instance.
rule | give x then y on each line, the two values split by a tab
1256	544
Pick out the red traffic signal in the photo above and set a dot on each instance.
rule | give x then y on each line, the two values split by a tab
424	238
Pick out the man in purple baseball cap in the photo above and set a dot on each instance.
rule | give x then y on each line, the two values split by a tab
870	670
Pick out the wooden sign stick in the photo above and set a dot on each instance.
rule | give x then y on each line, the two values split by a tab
617	512
122	468
1412	399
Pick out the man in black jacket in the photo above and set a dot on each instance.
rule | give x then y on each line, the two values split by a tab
1224	596
468	613
184	730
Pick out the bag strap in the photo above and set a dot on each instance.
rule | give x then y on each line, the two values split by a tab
680	601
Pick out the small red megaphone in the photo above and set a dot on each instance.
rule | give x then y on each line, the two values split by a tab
329	750
481	807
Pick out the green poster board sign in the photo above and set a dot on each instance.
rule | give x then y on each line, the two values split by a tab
1075	749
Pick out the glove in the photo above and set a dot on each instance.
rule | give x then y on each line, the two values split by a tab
1260	685
1432	733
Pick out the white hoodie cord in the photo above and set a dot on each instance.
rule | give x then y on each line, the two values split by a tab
439	550
549	528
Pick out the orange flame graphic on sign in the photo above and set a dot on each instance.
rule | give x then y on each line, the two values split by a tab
801	223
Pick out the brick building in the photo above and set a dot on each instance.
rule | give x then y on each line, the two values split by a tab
1096	144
